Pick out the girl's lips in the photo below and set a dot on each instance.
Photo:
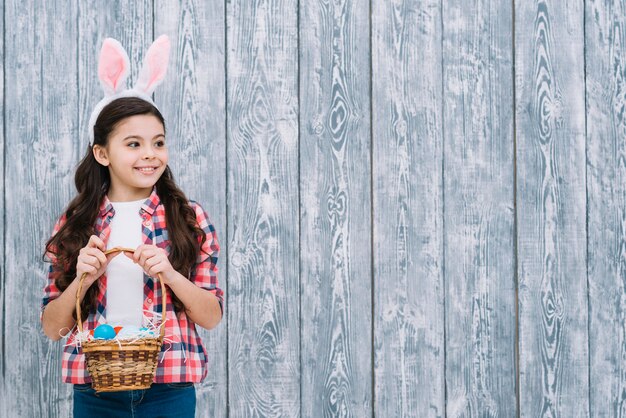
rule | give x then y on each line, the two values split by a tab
146	170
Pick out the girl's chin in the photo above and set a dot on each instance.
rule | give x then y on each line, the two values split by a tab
144	183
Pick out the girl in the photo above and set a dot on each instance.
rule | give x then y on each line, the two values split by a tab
127	197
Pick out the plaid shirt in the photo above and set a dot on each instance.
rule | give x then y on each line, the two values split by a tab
183	357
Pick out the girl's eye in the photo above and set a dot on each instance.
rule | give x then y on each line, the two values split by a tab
160	143
133	144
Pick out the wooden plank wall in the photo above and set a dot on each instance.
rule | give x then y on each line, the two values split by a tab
262	203
420	205
478	173
407	147
551	209
605	58
335	209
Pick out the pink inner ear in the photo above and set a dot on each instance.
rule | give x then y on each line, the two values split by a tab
110	72
158	70
111	67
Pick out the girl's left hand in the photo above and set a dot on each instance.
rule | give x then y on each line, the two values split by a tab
153	260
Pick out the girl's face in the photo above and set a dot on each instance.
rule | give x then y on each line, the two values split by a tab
136	156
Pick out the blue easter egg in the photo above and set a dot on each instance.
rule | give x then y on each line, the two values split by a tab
104	332
145	332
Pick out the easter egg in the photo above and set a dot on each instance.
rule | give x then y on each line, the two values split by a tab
117	330
104	332
129	331
146	332
91	332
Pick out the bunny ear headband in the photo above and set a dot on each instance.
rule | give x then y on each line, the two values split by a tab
113	69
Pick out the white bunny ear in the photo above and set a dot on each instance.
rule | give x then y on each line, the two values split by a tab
154	65
113	67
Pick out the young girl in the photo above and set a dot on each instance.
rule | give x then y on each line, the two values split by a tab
127	197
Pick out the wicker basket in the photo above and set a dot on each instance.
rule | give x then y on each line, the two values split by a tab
127	366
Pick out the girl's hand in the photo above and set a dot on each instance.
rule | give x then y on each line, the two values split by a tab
153	260
91	260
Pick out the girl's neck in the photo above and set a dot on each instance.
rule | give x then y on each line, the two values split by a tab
128	195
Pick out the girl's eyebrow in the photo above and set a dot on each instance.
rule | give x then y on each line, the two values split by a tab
139	137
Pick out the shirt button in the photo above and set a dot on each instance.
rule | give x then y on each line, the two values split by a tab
149	300
147	223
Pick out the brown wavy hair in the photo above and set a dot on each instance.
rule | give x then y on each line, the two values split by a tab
92	184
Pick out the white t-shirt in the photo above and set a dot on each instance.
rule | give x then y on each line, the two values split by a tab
124	304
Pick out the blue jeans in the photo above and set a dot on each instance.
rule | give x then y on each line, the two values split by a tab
161	400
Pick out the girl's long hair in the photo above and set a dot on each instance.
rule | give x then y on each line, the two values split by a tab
92	183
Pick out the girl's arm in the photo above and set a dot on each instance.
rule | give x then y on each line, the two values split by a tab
57	317
201	305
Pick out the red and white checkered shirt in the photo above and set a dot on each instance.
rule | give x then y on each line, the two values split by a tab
183	357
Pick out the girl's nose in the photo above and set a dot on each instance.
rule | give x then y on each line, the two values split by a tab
148	153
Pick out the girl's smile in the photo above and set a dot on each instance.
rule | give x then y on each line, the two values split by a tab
146	170
149	170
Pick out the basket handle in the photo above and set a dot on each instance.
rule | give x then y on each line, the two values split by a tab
163	294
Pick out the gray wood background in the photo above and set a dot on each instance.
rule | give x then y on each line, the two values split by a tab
421	204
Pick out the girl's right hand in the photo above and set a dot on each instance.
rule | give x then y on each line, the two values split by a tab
91	260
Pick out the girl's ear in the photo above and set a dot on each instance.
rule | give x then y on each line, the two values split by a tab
101	155
154	66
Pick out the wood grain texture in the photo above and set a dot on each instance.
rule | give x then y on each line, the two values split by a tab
408	209
192	100
3	262
551	208
335	205
605	55
263	230
41	86
479	249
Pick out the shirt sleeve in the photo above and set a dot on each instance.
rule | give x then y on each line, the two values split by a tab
204	273
51	291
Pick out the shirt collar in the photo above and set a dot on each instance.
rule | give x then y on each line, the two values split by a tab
149	206
151	202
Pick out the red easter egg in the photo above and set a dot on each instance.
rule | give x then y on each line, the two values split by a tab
91	332
117	329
